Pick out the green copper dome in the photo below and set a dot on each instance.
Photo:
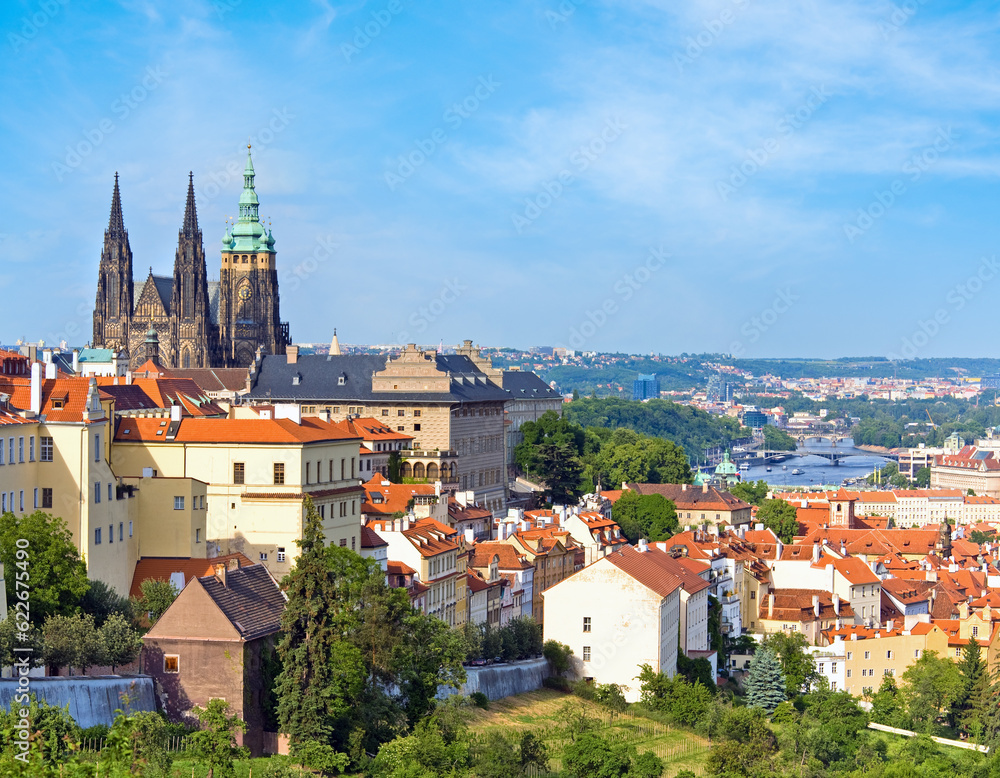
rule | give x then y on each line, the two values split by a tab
248	233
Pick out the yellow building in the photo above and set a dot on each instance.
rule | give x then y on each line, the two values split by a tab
257	473
55	438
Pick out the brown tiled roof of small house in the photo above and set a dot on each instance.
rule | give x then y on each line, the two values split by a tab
687	497
250	598
161	568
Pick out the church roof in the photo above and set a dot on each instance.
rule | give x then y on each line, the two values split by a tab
164	288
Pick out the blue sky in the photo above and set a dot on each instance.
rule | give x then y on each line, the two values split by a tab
808	179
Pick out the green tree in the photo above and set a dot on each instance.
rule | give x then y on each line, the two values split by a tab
12	638
558	655
922	478
395	467
553	430
121	641
777	440
561	471
932	683
53	737
888	706
746	745
971	668
137	744
156	597
591	756
797	664
101	601
765	682
50	561
214	744
752	492
649	516
779	516
72	641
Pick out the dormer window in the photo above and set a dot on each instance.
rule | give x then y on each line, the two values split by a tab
341	380
296	379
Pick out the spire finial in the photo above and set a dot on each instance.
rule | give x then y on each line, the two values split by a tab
190	226
116	223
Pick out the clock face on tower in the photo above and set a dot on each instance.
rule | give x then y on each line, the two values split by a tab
245	293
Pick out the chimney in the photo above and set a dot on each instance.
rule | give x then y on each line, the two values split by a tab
684	487
888	625
395	525
50	370
406	523
770	606
643	546
292	354
779	549
704	488
470	535
36	388
662	546
220	573
234	563
836	604
816	605
815	551
175	413
76	361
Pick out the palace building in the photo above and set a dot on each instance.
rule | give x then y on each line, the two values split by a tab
194	321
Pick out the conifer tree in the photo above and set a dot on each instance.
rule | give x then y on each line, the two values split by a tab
765	682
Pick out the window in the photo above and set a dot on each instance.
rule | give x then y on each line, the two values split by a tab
97	536
46	498
416	413
197	535
20	449
238	472
343	542
171	663
833	667
3	502
97	447
975	631
11	449
958	652
416	428
821	667
121	531
111	533
888	654
178	503
110	493
753	595
263	556
97	492
868	654
586	653
343	469
400	428
586	623
31	449
36	497
20	501
130	529
400	413
279	472
281	553
309	472
353	543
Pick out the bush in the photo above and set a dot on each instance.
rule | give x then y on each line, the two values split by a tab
480	700
95	732
558	683
558	655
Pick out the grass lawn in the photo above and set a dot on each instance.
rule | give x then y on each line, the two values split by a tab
544	712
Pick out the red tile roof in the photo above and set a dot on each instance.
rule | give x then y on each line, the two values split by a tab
161	568
311	430
687	497
384	498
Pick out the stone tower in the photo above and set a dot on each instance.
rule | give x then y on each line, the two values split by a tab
113	310
194	339
248	295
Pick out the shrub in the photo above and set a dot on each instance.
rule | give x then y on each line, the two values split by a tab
480	700
558	683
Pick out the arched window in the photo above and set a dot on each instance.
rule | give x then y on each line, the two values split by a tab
418	470
407	470
432	470
186	358
113	293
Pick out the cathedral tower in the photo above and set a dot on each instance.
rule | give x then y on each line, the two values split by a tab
194	338
113	310
248	295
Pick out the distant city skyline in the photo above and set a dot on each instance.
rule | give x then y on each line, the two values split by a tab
713	177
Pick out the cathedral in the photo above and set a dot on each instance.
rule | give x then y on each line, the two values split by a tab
196	322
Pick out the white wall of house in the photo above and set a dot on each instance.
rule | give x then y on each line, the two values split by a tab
629	625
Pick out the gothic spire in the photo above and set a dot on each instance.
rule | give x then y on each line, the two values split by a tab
116	224
190	210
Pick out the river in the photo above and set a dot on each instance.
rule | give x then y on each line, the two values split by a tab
816	470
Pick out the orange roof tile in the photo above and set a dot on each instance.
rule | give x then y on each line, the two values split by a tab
228	431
